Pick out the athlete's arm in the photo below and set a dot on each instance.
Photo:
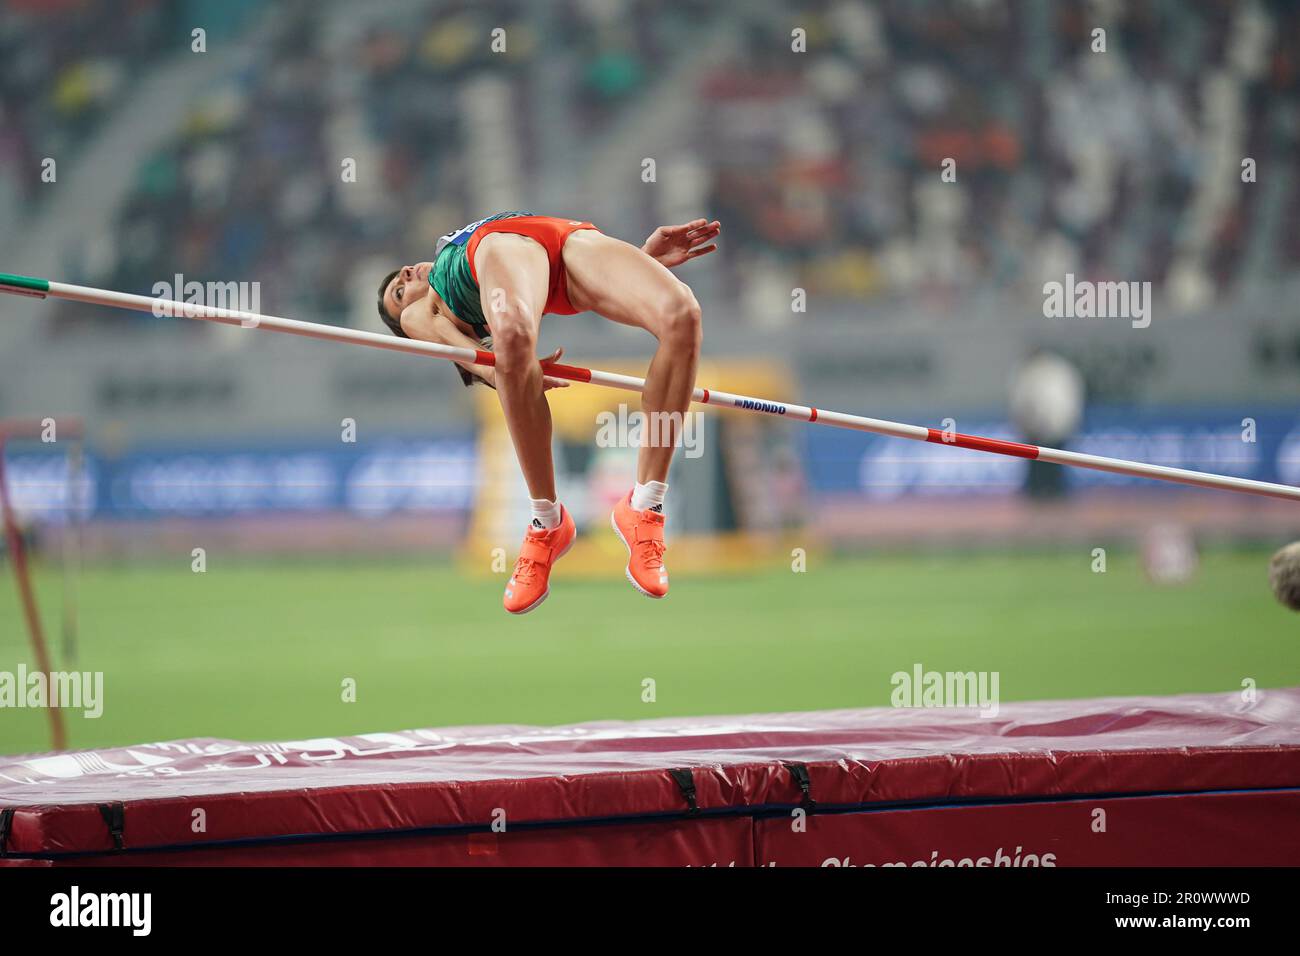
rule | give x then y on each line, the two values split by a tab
673	245
420	322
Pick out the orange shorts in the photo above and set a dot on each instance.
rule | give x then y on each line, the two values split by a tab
551	233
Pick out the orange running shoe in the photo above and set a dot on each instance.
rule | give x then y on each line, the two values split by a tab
529	585
643	534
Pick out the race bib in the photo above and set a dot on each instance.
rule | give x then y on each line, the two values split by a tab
460	236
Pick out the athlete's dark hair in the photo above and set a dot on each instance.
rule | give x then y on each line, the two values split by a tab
394	325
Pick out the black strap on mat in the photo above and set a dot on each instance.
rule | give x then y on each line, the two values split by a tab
6	821
686	783
800	774
114	815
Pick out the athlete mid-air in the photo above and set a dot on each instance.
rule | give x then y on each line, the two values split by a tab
489	285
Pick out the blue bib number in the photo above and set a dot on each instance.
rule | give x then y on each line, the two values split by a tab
460	236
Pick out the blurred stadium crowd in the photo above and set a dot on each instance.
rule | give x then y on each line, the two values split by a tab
822	166
61	76
1117	165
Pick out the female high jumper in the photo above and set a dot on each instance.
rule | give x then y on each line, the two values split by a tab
489	285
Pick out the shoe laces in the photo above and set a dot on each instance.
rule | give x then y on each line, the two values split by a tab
525	568
652	548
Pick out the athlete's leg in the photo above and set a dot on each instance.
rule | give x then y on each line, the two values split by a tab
514	277
622	283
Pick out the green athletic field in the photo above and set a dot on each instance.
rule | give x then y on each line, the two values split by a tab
261	650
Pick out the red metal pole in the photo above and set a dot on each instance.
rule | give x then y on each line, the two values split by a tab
21	574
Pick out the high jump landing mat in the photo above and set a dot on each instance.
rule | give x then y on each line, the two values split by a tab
1187	780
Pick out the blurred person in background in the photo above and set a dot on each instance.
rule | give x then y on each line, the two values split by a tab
1047	395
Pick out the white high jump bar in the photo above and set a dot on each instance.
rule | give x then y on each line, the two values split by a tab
40	288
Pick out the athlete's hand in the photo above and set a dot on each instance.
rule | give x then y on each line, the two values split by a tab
549	382
673	245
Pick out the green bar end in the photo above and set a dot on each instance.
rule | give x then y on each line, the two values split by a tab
24	282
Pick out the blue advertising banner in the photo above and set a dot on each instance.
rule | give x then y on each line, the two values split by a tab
405	474
1251	443
376	478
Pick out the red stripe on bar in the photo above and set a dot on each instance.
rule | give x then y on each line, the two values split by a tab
484	358
995	445
572	372
814	416
706	397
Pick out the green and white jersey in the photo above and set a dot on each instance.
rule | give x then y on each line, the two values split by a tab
452	278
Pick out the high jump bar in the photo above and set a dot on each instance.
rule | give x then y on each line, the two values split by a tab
40	288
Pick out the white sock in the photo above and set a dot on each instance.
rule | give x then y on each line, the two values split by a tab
650	495
546	514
